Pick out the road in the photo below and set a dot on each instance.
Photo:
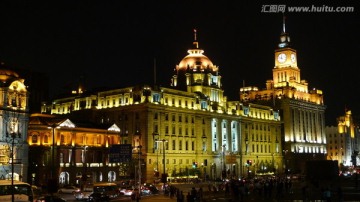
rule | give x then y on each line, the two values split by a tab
350	193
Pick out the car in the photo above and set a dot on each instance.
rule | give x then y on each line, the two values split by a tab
69	190
83	195
123	190
149	189
50	198
98	197
127	191
145	191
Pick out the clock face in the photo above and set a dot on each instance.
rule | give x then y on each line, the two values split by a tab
293	58
282	57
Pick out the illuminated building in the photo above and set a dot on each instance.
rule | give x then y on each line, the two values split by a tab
343	140
200	128
302	110
69	149
13	125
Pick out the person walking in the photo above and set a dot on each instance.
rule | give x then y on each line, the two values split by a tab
340	194
200	195
327	195
180	197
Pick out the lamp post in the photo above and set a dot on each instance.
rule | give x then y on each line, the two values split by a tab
84	176
13	135
11	131
273	163
139	152
156	149
163	175
247	146
53	126
223	172
285	161
52	183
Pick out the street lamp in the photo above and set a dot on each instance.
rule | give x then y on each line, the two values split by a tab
12	131
13	135
223	172
204	143
273	163
247	145
53	126
285	161
139	152
52	183
156	149
163	175
84	176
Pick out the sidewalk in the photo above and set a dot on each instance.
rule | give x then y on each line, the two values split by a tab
158	198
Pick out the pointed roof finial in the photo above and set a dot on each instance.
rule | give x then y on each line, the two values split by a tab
284	17
195	40
194	34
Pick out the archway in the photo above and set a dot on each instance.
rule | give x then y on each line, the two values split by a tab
111	176
64	178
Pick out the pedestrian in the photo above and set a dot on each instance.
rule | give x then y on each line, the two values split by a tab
340	194
193	194
180	197
327	194
305	193
200	194
135	196
188	197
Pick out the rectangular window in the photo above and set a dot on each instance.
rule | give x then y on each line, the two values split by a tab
166	130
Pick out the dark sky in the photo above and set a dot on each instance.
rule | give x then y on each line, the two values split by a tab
115	43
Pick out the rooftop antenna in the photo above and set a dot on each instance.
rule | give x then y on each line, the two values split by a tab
243	83
195	40
154	71
284	17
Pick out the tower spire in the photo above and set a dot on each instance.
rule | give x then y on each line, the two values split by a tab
195	40
195	35
284	17
284	37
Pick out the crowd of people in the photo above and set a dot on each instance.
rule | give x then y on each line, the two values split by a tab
264	188
236	189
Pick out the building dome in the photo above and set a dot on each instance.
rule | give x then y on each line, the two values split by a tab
6	74
196	61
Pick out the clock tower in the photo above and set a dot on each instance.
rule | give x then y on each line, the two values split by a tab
286	71
302	110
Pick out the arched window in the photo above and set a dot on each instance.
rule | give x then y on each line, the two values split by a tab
34	138
46	138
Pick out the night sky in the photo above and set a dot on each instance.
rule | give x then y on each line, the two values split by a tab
118	43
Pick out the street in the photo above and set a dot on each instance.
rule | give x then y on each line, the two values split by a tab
349	192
